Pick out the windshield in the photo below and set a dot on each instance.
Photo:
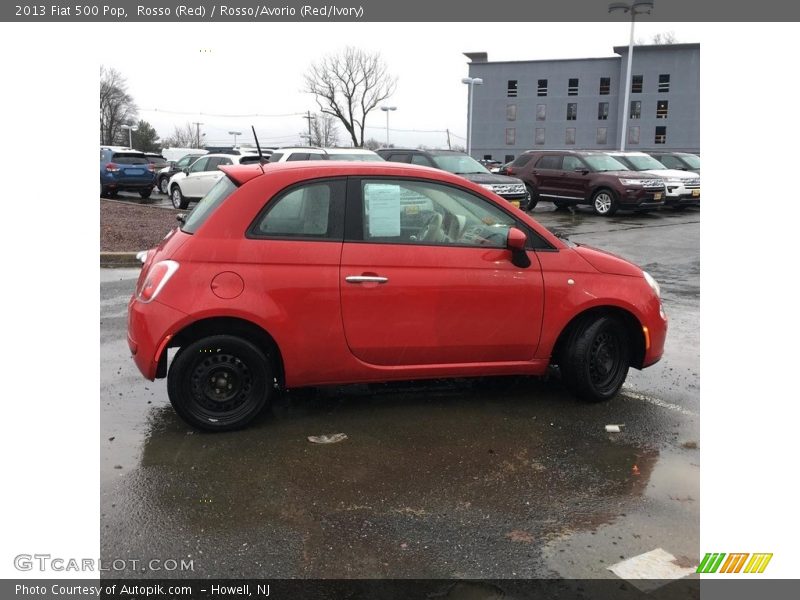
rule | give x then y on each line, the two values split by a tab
460	164
691	160
644	163
360	157
602	162
210	202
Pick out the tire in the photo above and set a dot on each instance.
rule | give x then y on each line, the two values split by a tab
178	199
219	383
534	197
144	194
595	360
163	185
605	203
560	204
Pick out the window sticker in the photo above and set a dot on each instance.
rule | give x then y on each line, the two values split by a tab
383	209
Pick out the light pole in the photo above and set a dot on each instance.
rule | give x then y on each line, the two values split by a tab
234	134
387	110
471	82
637	7
131	129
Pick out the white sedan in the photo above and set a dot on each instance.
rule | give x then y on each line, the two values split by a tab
193	183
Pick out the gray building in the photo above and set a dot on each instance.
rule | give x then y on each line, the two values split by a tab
577	103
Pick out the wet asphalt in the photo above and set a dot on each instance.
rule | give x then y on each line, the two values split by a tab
497	478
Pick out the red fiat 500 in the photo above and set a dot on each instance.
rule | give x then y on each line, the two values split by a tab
305	274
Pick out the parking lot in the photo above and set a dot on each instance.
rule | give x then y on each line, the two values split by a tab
490	478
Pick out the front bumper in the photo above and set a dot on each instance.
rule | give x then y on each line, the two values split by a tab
640	198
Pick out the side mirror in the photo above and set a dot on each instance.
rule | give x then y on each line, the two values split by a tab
181	218
516	242
186	170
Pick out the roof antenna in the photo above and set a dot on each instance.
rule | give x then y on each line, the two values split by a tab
260	155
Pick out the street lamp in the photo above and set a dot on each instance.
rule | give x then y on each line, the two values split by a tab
234	134
131	129
471	82
637	7
387	110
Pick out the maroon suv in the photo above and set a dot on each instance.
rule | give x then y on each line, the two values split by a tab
569	177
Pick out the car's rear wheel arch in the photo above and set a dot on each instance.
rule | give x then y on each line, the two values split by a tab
234	326
633	330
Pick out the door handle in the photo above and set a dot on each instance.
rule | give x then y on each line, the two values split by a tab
365	279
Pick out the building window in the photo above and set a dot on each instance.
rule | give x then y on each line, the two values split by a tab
570	137
539	139
605	86
509	158
541	112
661	134
572	88
602	136
636	109
602	111
663	82
511	112
636	84
662	108
512	88
542	89
572	111
633	135
511	136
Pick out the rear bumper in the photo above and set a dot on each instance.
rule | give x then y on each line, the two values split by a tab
150	327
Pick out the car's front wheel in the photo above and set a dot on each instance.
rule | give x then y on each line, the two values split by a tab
178	199
163	185
533	197
595	359
219	383
605	203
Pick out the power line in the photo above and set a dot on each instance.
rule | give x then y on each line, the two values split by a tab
179	112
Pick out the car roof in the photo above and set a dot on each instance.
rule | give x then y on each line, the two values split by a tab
425	150
349	151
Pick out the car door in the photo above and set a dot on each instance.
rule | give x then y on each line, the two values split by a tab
205	180
574	177
546	174
189	185
426	278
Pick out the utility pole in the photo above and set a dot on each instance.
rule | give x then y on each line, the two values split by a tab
448	140
198	133
309	117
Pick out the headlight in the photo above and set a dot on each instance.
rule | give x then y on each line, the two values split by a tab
631	181
652	283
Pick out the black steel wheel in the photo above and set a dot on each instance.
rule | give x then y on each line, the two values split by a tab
595	361
533	197
219	383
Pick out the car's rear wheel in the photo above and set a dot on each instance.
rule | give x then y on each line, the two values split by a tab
178	199
533	197
605	203
145	193
219	383
595	359
163	185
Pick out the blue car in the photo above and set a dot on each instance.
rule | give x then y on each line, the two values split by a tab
122	169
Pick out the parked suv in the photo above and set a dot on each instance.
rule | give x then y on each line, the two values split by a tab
124	170
193	183
682	161
508	188
683	187
571	177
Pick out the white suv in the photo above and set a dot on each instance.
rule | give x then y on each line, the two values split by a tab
193	183
312	153
683	188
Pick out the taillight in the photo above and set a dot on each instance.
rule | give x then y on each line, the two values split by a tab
151	167
112	167
155	280
509	171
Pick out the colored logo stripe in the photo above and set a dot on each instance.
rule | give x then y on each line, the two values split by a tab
758	563
713	562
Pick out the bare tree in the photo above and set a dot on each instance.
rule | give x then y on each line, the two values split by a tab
348	86
324	132
373	144
117	107
183	137
659	39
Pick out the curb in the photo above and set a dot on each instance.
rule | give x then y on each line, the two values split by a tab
119	260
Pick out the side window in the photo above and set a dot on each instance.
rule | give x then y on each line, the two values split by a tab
297	156
312	210
549	161
571	163
275	157
420	159
223	161
199	165
670	162
427	213
402	158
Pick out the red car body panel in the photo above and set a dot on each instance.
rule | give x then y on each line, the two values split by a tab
445	310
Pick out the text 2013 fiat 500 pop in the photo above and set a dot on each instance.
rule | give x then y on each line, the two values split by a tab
319	273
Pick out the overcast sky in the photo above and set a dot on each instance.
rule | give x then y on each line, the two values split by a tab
212	73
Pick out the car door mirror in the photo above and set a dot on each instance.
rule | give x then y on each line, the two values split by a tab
186	171
516	242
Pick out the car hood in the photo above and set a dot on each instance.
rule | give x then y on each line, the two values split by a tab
672	173
178	176
605	262
632	174
480	178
